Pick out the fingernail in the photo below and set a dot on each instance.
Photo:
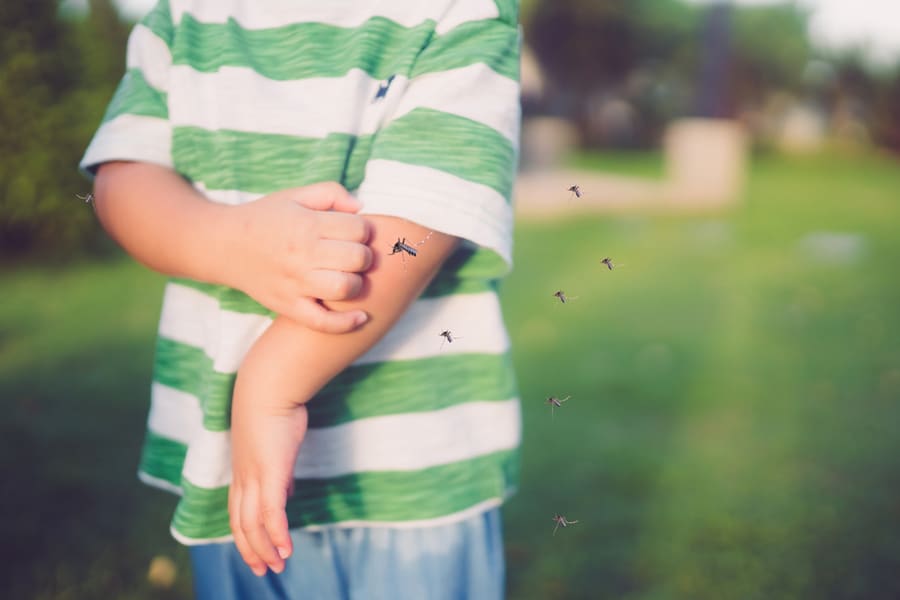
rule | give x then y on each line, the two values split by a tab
361	318
284	552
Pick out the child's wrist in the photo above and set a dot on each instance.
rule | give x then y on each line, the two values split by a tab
219	245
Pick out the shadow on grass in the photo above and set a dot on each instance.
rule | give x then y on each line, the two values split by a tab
76	521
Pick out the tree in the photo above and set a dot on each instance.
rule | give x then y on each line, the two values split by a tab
661	55
771	50
56	76
591	49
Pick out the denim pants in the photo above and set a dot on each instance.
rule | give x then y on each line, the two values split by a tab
457	561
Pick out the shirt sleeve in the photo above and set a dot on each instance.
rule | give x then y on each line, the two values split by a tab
136	123
447	154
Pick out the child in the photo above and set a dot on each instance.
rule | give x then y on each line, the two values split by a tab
233	115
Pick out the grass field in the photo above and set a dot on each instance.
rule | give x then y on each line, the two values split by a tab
732	431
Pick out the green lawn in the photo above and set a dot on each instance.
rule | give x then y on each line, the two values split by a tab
732	431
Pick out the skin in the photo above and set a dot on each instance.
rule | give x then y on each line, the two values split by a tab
302	253
285	250
287	366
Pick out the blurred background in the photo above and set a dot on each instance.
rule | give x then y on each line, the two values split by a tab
732	430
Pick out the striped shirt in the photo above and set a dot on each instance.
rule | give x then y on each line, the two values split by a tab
411	105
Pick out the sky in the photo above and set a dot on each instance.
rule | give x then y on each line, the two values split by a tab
873	25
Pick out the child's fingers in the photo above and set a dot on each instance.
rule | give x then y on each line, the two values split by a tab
327	195
255	531
275	520
342	226
253	561
341	255
240	540
333	285
310	313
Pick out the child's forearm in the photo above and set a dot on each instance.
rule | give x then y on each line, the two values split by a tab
286	366
162	221
290	363
284	249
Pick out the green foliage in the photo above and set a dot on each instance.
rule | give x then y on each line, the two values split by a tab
855	86
652	53
587	44
887	113
56	76
771	48
590	50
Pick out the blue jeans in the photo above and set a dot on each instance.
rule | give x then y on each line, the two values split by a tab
459	561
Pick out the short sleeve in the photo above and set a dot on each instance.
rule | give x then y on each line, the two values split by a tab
446	157
136	123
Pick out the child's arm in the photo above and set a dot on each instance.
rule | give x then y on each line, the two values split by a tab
288	365
284	250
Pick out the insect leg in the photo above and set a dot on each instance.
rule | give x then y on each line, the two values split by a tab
427	237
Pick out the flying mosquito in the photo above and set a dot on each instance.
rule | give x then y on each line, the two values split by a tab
609	263
555	403
88	198
563	297
448	337
561	521
575	189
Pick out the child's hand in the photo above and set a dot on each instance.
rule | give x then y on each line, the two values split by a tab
265	441
295	246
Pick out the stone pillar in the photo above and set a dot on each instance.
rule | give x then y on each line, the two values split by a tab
705	162
546	141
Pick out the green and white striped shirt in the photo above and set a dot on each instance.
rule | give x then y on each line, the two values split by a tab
413	105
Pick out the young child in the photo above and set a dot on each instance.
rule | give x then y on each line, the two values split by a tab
214	158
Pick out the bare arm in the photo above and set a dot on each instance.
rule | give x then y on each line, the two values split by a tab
284	250
389	287
288	365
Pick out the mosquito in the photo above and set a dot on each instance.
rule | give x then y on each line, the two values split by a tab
575	189
401	246
562	296
561	521
88	198
609	263
555	403
448	337
383	88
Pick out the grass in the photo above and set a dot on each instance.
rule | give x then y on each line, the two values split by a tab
732	431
